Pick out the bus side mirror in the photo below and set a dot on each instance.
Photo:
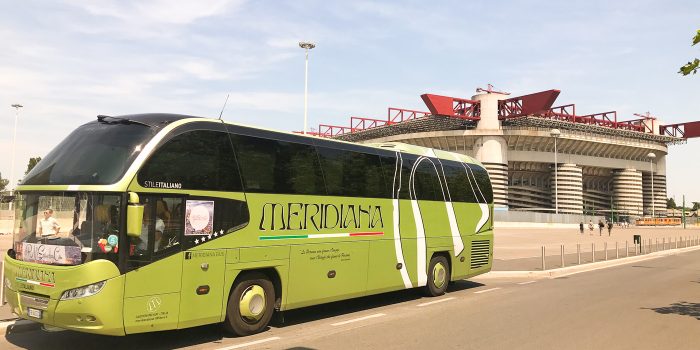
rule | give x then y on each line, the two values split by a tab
134	216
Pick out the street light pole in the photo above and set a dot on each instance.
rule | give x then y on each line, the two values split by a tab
16	106
306	46
651	156
556	133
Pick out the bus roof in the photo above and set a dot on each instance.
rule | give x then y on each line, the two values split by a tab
159	120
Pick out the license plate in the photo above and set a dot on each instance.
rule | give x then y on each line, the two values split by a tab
34	313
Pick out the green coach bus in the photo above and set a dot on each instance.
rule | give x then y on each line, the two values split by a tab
152	222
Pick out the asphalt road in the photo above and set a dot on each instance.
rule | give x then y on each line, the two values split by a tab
653	304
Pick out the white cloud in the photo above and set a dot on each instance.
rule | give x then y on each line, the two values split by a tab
157	11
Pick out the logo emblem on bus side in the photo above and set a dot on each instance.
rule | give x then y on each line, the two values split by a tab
153	304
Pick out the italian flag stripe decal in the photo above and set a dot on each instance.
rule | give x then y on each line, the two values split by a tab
322	235
37	283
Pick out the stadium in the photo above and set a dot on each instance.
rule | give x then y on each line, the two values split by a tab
546	161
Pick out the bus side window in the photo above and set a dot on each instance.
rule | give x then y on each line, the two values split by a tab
274	166
209	152
169	210
160	234
352	173
230	215
482	180
427	183
461	189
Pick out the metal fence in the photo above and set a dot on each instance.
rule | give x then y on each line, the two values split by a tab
589	253
527	216
551	218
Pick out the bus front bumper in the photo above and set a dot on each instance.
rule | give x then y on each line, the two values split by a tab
99	314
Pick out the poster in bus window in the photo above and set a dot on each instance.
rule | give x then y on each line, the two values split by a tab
199	217
48	253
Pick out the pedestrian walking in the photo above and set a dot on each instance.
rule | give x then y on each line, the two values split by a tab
580	227
610	226
590	226
600	227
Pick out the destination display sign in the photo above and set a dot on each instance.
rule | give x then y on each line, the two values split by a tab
50	254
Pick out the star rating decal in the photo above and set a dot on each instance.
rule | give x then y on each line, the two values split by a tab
209	237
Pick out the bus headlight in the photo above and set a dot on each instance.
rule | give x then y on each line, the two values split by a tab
84	291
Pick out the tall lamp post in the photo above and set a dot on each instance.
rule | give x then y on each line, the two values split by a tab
555	134
651	156
16	106
306	46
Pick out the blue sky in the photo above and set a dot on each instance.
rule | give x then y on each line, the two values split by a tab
67	61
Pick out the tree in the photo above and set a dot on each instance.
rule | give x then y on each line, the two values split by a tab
696	206
3	183
32	163
692	66
671	203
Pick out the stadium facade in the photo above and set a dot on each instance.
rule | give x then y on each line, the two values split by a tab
602	165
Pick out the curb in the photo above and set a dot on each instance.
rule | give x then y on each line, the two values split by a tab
571	270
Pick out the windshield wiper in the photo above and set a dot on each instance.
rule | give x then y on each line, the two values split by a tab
115	120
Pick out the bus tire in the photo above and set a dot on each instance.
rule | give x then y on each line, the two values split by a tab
250	305
438	276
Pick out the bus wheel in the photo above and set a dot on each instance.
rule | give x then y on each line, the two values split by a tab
438	276
251	305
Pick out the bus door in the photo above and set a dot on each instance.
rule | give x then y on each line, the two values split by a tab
391	257
152	291
207	221
202	287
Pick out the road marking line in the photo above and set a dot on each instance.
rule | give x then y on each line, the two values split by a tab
238	346
528	282
487	290
436	301
357	319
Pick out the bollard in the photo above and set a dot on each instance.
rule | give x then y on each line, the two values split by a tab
644	247
562	255
676	241
627	249
592	252
617	251
578	252
663	244
605	246
543	266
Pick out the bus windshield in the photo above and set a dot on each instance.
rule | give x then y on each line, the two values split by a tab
63	228
97	153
